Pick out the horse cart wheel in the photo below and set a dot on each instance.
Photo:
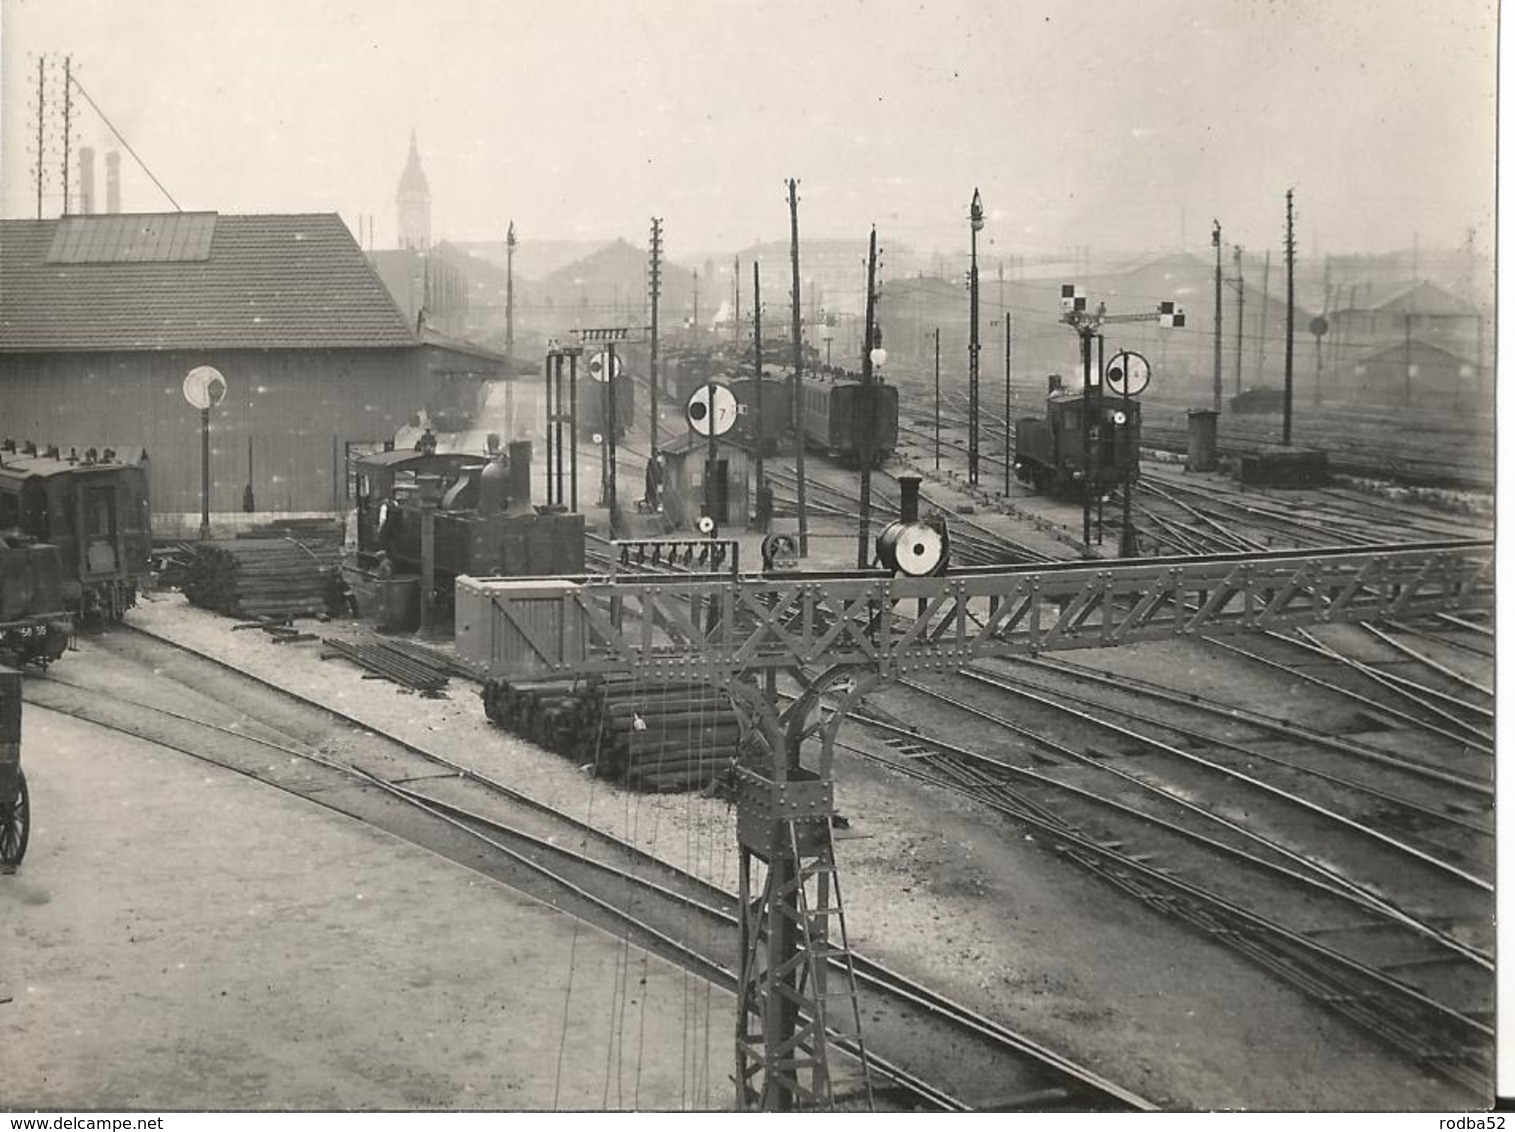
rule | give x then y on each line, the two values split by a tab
15	824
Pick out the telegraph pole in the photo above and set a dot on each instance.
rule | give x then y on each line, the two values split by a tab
937	334
757	385
865	449
975	224
652	356
510	323
68	66
1241	301
796	398
41	118
696	307
1262	317
736	299
1215	240
1289	316
1006	315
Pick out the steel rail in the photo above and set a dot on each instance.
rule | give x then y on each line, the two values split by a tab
1251	934
1480	743
1267	788
872	971
1414	691
1211	739
1255	719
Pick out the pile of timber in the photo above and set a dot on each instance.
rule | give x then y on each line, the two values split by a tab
663	737
268	576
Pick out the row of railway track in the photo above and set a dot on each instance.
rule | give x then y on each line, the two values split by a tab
1353	858
923	1050
1358	870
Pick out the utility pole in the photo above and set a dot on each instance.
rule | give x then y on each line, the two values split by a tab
1318	327
865	449
41	118
796	398
1289	315
736	299
1005	314
510	326
1262	317
696	307
1215	241
937	334
1241	302
975	224
68	81
757	383
652	356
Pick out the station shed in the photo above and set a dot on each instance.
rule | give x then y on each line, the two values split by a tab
687	458
103	316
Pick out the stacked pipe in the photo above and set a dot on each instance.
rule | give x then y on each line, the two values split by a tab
662	737
263	577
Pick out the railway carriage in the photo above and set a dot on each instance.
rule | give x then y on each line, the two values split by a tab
1094	440
75	542
833	414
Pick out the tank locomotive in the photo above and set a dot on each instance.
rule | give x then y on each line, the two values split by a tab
484	525
1093	440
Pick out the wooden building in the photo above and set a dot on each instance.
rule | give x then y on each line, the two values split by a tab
684	499
103	316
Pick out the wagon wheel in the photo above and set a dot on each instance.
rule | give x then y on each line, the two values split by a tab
15	824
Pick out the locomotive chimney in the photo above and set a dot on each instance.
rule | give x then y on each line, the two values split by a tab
520	472
910	498
112	181
1054	382
86	179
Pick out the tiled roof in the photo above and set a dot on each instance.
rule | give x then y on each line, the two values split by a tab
270	282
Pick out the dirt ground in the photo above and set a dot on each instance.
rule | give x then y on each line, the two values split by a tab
376	1006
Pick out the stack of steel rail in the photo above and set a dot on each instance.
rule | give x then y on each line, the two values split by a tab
384	659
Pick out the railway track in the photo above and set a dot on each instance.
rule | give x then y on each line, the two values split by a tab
1360	875
924	1050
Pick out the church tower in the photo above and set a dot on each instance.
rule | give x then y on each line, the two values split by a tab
413	202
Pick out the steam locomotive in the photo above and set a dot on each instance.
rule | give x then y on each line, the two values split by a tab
484	524
1093	440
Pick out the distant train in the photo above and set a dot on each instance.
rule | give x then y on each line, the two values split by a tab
839	420
1094	440
75	544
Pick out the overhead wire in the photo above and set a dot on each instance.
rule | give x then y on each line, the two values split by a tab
122	137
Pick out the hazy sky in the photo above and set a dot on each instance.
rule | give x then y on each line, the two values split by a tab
1127	123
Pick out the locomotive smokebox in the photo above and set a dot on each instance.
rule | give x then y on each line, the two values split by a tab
910	498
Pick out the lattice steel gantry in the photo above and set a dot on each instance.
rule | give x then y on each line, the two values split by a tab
858	629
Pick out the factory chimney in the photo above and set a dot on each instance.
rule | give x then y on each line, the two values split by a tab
86	179
112	181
